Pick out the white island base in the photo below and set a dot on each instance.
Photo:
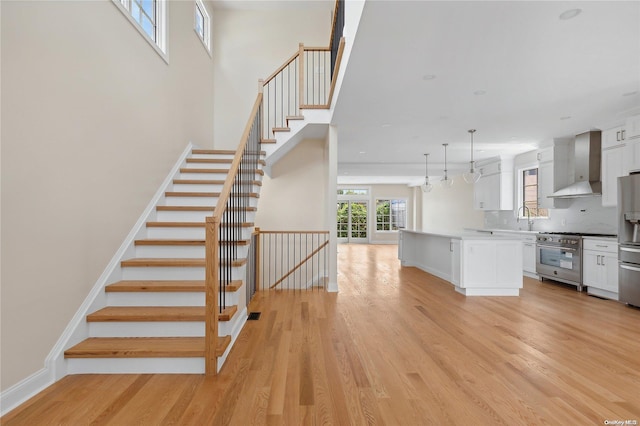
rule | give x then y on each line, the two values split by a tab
477	264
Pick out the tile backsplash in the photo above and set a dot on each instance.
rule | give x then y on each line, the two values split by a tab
582	215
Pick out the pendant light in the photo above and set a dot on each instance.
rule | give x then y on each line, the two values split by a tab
446	182
426	186
472	176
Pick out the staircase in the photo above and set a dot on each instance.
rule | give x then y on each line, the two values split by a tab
154	318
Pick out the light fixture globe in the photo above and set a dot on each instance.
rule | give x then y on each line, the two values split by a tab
446	182
473	175
426	186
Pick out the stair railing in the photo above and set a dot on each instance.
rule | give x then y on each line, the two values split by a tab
290	260
224	230
305	81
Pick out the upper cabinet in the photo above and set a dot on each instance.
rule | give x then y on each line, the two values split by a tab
494	190
632	149
613	137
632	127
553	175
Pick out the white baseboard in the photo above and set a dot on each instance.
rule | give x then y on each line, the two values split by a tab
23	390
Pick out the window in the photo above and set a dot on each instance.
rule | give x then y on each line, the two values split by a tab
202	25
391	215
148	17
529	194
353	191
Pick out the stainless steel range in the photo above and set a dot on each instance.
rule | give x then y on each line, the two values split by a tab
559	258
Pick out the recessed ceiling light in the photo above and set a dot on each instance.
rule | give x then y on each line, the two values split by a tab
386	125
479	92
566	117
635	92
571	13
362	152
428	76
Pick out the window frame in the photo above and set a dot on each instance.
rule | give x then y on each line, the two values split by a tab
521	213
161	27
391	201
198	6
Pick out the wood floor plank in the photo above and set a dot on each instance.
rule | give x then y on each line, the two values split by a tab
395	346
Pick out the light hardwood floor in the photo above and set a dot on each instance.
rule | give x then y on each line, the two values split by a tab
396	346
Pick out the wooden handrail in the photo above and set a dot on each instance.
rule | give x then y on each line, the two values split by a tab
334	77
333	22
283	66
317	49
313	253
221	205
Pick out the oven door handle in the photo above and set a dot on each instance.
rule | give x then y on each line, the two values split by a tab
631	268
557	248
632	250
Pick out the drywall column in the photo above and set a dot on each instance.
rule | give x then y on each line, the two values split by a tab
332	199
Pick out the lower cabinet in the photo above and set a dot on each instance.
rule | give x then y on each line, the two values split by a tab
600	267
529	256
454	246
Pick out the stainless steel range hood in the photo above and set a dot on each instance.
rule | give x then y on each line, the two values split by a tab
587	168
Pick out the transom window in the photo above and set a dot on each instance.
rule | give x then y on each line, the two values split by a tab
202	25
353	191
148	17
391	215
529	194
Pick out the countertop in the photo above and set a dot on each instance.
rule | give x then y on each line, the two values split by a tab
464	235
513	231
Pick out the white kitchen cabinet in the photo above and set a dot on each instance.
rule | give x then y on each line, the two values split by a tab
600	267
632	155
612	168
490	264
553	175
529	257
632	127
613	137
494	190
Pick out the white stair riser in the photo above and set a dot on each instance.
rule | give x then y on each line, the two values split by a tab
135	365
199	187
191	201
183	216
155	298
203	176
173	273
147	329
224	156
188	233
181	252
212	166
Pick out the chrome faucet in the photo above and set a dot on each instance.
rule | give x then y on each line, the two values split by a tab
529	221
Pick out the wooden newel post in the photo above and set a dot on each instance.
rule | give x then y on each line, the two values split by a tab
258	284
212	285
301	68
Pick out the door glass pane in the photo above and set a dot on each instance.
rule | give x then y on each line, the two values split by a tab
358	220
343	220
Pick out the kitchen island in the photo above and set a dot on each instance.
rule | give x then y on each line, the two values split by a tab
477	264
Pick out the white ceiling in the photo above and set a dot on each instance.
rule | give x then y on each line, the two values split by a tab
535	69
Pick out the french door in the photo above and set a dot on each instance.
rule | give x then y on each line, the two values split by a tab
352	221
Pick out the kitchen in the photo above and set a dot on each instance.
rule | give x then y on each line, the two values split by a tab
581	204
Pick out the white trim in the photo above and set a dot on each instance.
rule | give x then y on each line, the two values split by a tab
161	46
17	394
77	329
199	5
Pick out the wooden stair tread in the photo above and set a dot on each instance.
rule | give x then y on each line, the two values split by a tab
204	194
295	117
126	286
269	141
148	313
143	262
209	182
210	160
157	286
281	129
172	242
201	170
144	347
199	208
188	224
220	151
157	313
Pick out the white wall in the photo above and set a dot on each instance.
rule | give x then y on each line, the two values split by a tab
389	192
450	209
92	121
294	197
252	44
